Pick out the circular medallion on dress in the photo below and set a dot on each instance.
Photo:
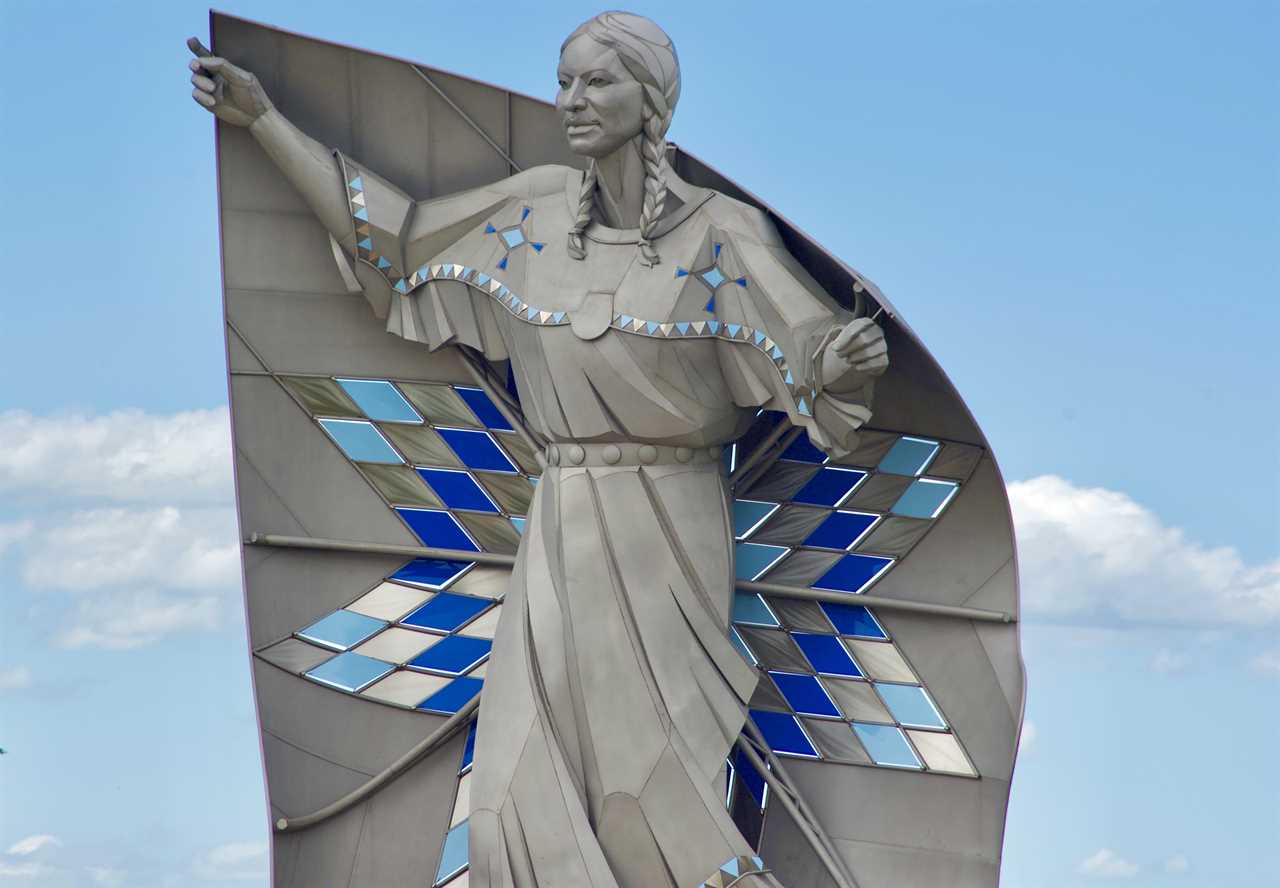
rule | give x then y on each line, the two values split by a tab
611	454
577	455
648	454
684	454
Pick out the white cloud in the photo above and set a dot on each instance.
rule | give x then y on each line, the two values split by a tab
105	875
166	547
31	844
233	861
136	574
1106	864
1177	864
1096	555
1266	663
14	532
126	455
1167	661
14	679
27	869
1028	736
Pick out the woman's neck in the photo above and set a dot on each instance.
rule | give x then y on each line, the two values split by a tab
620	187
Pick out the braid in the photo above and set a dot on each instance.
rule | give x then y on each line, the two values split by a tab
578	246
654	151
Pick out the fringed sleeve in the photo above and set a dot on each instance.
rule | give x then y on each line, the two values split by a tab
779	321
394	243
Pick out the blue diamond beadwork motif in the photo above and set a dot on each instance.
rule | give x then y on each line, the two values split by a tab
512	237
712	276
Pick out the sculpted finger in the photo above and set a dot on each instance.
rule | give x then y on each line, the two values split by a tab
203	98
198	49
864	338
875	365
203	83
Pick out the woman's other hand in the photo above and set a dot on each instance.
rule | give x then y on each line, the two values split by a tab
857	354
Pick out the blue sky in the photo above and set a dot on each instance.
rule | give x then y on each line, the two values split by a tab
1072	204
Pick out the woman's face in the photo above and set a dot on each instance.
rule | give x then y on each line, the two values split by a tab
600	103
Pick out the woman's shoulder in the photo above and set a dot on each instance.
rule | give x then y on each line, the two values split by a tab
544	180
739	219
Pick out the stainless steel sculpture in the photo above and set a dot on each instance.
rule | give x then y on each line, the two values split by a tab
671	346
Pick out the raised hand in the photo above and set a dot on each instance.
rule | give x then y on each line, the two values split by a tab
232	94
857	353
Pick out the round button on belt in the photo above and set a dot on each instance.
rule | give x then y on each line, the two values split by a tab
577	455
611	454
648	454
683	454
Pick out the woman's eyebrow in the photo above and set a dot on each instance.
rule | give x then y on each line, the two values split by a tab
588	73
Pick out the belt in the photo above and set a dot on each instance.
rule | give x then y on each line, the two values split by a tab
628	453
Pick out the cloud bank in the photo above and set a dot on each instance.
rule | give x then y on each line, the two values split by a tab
1093	555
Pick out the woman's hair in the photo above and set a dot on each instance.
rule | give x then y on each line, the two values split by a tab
649	55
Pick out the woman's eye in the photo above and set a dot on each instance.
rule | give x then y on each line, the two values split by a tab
598	81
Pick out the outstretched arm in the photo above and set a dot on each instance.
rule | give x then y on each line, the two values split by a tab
236	97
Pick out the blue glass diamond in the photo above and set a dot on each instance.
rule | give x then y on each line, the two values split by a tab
829	486
911	706
455	855
753	559
853	573
434	573
447	611
458	489
350	672
841	530
360	441
887	746
805	694
483	408
342	629
908	456
747	515
713	277
453	655
453	696
783	733
380	400
750	608
438	529
513	238
827	654
477	450
925	498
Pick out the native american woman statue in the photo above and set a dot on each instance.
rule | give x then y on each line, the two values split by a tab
646	322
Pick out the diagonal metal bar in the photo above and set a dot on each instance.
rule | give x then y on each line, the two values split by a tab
426	746
467	117
775	589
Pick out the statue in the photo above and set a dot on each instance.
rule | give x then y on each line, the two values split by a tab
646	321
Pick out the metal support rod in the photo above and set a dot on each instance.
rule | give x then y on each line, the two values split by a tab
495	558
902	604
429	744
482	379
808	829
771	457
465	116
292	542
756	455
778	768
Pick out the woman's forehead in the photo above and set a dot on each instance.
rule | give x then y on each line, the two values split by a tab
582	54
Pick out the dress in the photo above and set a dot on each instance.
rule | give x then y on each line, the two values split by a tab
614	693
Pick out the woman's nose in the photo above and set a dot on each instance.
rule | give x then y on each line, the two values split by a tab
573	99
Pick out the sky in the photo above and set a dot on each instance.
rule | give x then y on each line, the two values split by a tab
1074	206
